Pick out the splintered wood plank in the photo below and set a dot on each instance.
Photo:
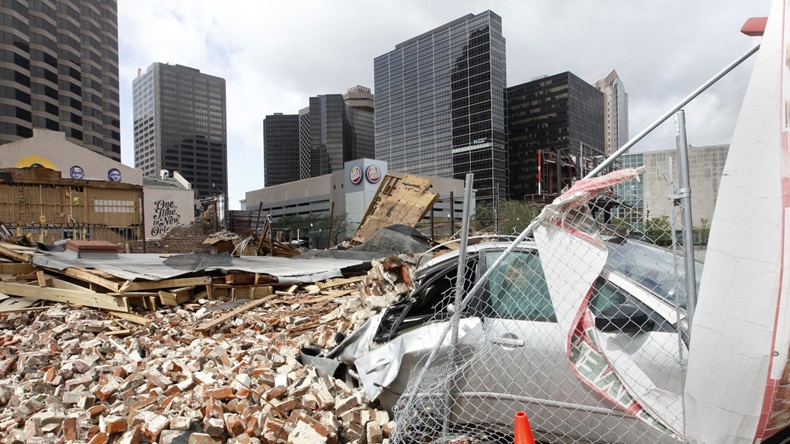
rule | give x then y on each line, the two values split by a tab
409	202
85	297
330	283
163	284
252	304
17	252
176	296
90	276
240	279
11	304
47	280
132	318
15	268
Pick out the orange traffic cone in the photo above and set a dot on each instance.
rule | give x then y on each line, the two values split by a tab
523	432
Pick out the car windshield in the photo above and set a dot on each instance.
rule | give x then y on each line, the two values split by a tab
651	267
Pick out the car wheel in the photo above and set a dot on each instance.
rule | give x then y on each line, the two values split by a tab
783	437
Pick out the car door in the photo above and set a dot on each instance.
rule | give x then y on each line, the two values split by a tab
520	363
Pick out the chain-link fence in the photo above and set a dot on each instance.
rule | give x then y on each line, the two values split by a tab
581	323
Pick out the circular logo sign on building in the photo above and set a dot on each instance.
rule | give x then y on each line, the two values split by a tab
373	174
355	175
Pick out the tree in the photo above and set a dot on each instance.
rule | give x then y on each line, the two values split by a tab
514	216
659	230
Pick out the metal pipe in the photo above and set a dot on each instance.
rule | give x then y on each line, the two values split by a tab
459	296
669	113
684	197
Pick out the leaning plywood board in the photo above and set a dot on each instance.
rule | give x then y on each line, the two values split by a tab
408	202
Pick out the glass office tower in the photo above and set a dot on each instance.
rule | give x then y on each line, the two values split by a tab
280	149
440	107
180	125
556	131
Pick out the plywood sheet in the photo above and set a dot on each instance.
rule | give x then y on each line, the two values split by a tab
404	203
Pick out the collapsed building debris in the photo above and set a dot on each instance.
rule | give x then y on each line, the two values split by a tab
214	359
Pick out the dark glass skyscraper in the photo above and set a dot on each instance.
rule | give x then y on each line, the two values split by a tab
341	129
60	71
556	133
281	149
440	106
180	124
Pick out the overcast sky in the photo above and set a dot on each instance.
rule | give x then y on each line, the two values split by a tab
275	55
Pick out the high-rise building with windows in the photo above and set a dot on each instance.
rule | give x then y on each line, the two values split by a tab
281	154
332	130
60	71
556	134
341	129
616	102
440	107
180	124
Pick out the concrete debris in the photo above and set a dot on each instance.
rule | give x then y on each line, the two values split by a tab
65	375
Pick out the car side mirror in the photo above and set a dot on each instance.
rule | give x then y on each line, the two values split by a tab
623	318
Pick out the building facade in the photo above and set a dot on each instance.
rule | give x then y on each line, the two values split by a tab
60	72
556	134
281	153
616	103
346	193
647	199
180	125
440	107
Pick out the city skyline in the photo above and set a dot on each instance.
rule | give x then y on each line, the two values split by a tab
661	52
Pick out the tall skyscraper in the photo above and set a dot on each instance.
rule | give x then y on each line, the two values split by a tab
180	124
341	129
440	107
332	130
281	162
556	133
61	71
616	111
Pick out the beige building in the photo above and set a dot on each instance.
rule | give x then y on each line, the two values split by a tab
649	198
616	100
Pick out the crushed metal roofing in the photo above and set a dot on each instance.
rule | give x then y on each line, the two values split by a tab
154	267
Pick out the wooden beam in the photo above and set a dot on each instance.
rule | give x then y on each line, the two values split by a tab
163	284
211	324
85	297
329	283
17	252
15	268
87	276
47	280
132	318
176	296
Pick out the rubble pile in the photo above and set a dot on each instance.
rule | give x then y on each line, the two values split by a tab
193	373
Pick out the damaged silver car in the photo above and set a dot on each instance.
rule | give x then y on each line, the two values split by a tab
511	330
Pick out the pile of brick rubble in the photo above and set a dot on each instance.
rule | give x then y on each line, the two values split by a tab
63	378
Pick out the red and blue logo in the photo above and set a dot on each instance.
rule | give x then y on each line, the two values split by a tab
373	174
355	175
